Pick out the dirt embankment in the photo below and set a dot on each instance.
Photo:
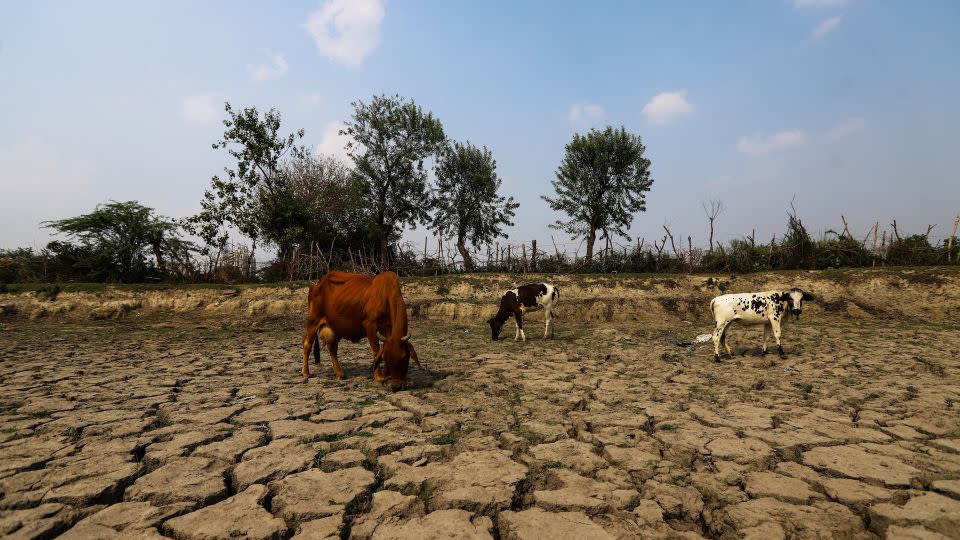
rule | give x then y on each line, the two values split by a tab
928	293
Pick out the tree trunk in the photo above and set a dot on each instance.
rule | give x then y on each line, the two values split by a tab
467	261
591	238
711	236
253	250
158	254
384	247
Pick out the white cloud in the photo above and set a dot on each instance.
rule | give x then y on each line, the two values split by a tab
310	100
826	27
759	144
818	3
585	114
332	143
846	128
266	72
666	106
201	109
346	31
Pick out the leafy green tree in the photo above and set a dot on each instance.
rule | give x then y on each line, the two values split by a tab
255	143
314	200
390	140
117	239
466	203
600	184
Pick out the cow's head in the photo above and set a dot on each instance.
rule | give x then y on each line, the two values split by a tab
495	326
395	355
794	299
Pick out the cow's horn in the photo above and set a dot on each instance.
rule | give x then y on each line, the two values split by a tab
406	337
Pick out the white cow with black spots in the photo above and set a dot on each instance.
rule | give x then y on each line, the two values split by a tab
768	308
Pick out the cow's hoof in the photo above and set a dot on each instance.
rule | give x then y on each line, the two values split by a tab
716	358
763	353
783	357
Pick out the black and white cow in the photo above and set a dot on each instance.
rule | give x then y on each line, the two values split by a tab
768	308
524	298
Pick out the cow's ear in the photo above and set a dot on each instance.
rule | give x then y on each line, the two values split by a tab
808	297
775	297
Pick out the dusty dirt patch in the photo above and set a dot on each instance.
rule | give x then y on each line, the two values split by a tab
151	426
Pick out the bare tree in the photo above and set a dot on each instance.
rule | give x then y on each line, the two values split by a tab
713	209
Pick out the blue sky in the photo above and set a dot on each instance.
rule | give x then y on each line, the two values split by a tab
848	106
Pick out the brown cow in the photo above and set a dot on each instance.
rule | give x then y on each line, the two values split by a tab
354	306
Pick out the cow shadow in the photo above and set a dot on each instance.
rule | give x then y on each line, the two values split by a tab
355	374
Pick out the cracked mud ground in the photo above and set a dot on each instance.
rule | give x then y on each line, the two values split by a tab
171	427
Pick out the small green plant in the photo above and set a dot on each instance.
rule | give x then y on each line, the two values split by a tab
805	389
443	289
667	426
369	400
446	438
912	393
360	504
318	458
426	494
677	480
718	284
49	292
873	395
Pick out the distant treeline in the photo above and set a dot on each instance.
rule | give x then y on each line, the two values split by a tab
796	249
317	213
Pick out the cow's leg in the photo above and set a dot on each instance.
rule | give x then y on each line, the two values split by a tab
518	318
723	339
776	335
309	339
332	347
375	350
766	334
719	333
546	324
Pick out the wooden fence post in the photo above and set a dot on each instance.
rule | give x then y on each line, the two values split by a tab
956	222
883	249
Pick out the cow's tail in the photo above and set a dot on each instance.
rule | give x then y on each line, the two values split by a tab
713	308
556	294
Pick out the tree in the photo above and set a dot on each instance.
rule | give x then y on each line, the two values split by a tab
465	200
314	200
712	211
258	148
600	184
390	139
117	238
